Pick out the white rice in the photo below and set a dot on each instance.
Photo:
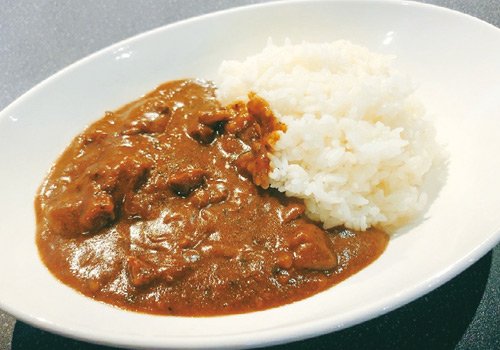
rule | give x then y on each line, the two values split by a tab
357	147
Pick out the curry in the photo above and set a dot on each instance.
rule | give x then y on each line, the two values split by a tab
164	207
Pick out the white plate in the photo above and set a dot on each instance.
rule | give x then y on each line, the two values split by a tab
455	59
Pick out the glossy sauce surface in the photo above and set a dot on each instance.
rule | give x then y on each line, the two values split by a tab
155	208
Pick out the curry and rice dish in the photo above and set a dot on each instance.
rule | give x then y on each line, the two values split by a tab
154	208
186	201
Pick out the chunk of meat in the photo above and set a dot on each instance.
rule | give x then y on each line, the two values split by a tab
127	175
241	121
85	210
211	118
252	135
213	193
98	211
261	111
64	220
94	199
255	165
140	206
140	273
203	126
259	129
312	248
184	182
291	212
284	260
201	133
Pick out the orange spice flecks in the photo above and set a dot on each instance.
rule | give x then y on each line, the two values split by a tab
262	128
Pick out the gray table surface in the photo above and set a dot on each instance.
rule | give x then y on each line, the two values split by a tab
38	38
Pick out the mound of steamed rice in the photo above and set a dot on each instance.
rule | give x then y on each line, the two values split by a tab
357	147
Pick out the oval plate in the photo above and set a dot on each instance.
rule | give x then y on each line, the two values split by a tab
455	60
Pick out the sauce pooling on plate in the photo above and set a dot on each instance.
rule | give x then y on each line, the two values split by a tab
163	207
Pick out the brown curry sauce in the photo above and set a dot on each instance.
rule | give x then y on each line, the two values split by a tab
155	208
